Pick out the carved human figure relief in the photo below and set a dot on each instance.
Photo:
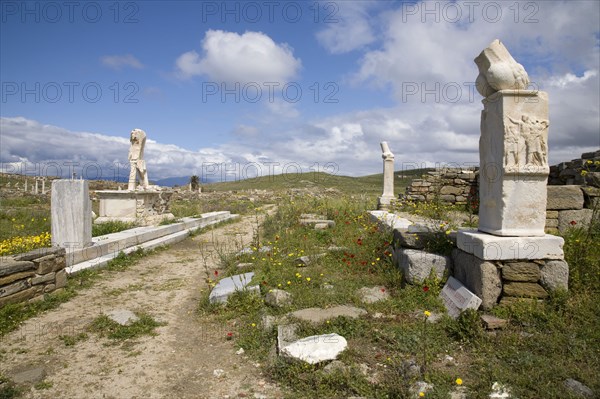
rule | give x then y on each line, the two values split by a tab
137	163
537	143
531	132
511	146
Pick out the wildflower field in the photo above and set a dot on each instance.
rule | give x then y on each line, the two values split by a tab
404	347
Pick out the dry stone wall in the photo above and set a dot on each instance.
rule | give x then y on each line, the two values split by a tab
569	173
573	192
30	275
451	185
572	196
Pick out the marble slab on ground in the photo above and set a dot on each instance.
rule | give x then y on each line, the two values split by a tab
316	348
247	251
389	220
229	285
373	294
490	247
457	297
319	315
122	316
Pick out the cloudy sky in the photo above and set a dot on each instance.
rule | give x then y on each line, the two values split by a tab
231	89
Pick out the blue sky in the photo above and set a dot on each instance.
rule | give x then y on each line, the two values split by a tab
76	79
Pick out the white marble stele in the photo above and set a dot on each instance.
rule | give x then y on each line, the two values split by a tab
71	214
513	155
514	165
144	208
513	147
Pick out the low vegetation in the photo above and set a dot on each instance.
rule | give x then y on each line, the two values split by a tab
401	340
394	346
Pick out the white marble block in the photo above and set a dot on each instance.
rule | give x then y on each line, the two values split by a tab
71	214
489	247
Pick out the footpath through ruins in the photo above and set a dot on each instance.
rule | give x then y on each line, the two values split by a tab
188	358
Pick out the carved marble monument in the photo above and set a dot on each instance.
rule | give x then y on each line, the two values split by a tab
142	204
388	177
513	154
512	148
513	174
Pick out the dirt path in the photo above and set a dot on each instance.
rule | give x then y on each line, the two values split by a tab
177	363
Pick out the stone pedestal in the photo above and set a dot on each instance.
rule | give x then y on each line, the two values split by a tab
71	214
489	247
141	207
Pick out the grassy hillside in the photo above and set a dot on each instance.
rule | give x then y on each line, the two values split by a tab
372	184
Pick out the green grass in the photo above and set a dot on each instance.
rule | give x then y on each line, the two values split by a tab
105	327
12	315
8	390
543	344
111	227
370	184
72	340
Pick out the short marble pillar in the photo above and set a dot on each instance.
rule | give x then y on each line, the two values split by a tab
71	214
387	197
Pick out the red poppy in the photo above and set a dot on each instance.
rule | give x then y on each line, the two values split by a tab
383	290
364	262
359	241
425	288
216	272
352	256
229	334
573	223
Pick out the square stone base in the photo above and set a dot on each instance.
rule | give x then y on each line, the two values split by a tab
489	247
384	202
141	207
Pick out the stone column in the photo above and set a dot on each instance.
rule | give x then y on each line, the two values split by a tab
36	186
388	177
25	189
71	214
43	186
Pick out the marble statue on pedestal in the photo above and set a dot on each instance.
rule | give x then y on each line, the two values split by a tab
136	160
513	147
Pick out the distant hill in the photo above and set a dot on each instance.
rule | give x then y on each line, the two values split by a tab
371	184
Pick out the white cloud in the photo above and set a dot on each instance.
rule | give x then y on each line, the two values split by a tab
231	57
569	79
348	26
119	62
423	62
280	108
